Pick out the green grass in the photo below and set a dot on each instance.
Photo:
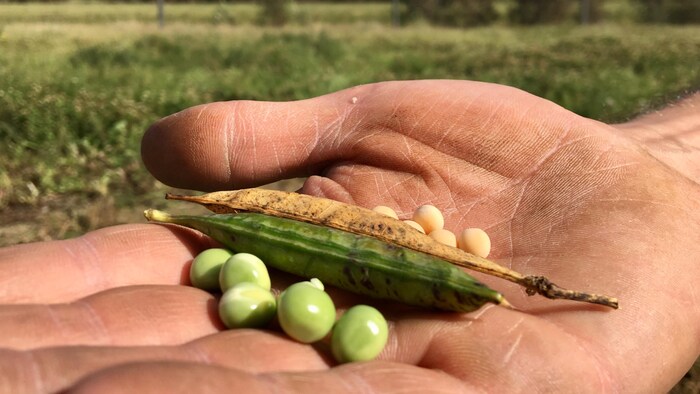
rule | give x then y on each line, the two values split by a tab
239	13
221	13
79	83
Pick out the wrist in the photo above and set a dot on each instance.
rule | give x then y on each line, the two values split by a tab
672	135
679	117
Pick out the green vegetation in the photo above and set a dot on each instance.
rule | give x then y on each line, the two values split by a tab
457	13
669	11
79	83
221	13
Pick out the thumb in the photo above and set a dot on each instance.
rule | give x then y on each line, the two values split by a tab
393	125
241	144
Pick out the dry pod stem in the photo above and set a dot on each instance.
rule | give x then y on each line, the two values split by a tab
358	220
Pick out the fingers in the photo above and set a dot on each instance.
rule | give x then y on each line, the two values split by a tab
394	125
496	349
125	316
493	347
252	351
62	271
187	377
170	377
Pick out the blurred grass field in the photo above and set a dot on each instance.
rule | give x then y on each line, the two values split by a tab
80	82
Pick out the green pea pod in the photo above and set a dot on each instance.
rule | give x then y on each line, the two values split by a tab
354	262
362	221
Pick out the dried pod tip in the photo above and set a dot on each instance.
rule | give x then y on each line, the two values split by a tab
154	215
503	302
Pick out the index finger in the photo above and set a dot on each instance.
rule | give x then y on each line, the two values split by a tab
63	271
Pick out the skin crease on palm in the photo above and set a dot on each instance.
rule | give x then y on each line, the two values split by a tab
594	207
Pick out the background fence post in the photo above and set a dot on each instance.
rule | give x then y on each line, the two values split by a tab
585	6
161	14
395	19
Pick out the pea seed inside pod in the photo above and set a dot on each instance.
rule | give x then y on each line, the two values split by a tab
429	217
415	225
444	236
359	335
305	312
246	305
244	267
475	241
385	211
204	272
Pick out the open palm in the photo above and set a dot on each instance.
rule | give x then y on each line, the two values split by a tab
560	195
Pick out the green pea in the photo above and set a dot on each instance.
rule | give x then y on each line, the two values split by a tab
244	267
359	335
246	305
305	312
204	272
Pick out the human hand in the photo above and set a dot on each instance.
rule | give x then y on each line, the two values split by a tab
566	197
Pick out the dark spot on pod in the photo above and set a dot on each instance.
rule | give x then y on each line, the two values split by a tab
437	294
459	297
365	281
390	230
387	280
232	237
466	299
348	274
391	247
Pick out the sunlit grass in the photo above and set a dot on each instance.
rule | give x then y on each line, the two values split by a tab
235	13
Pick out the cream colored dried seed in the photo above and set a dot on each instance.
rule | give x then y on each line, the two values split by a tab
475	241
429	217
384	210
414	225
444	236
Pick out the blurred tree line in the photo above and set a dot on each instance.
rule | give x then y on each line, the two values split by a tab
465	13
